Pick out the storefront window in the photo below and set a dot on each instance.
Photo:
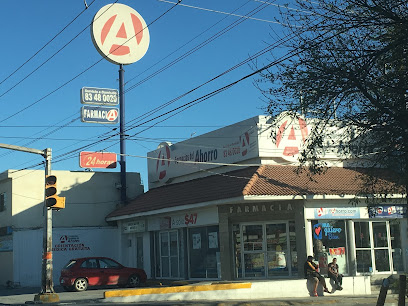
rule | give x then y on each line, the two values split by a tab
372	246
329	241
167	254
380	234
276	245
396	245
253	237
254	257
363	259
265	250
382	262
293	250
362	234
236	236
204	252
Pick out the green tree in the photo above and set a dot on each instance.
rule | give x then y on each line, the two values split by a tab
348	67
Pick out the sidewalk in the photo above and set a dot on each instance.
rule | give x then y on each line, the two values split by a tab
19	296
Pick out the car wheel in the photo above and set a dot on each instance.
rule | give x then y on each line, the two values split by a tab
80	284
133	281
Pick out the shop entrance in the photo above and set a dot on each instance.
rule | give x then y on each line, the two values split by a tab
265	250
133	254
378	246
169	254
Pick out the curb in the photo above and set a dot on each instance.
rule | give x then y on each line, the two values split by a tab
176	289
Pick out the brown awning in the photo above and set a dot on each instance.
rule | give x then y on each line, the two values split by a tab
266	180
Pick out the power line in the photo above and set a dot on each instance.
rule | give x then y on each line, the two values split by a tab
150	23
42	48
198	47
225	13
69	81
179	109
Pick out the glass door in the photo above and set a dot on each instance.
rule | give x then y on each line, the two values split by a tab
277	249
169	254
373	249
396	247
264	250
139	251
253	250
363	247
381	248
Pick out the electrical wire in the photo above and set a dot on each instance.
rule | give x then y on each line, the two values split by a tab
225	13
69	81
43	47
199	46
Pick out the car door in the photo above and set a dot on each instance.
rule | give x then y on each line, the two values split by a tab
89	269
111	271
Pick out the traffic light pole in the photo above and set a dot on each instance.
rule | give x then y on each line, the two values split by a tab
47	294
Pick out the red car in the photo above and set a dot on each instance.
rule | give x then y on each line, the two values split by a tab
80	273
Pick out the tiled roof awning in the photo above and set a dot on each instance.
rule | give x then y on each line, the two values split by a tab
266	180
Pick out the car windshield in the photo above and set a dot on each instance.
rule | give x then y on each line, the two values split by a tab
69	264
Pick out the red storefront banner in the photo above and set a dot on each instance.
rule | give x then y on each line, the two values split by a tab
337	251
97	160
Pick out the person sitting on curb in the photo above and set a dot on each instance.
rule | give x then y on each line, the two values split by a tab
334	274
311	272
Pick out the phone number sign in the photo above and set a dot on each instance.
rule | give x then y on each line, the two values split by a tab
97	160
99	96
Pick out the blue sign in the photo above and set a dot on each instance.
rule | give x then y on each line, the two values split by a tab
387	211
317	231
326	230
99	114
99	96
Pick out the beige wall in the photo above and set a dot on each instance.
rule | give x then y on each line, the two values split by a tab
6	274
90	196
5	187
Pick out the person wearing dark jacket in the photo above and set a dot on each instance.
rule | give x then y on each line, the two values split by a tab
312	273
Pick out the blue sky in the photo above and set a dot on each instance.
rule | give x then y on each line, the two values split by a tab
41	100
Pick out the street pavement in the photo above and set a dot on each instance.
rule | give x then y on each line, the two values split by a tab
25	296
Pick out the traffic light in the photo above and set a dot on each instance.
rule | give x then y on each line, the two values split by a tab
51	198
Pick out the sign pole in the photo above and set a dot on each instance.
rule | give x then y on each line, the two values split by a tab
125	47
122	135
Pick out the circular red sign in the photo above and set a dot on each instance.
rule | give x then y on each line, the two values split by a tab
120	34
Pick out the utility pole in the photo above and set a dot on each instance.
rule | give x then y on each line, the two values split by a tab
47	294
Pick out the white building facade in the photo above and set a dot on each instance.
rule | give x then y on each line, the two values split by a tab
79	230
230	205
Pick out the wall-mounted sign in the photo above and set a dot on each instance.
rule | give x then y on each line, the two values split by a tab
99	114
337	213
183	219
337	251
291	135
327	230
387	211
70	243
99	96
134	226
120	34
232	144
97	160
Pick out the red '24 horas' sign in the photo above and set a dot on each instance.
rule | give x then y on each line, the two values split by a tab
97	160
